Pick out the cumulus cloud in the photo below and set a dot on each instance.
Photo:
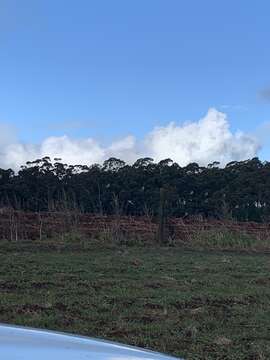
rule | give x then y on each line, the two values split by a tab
72	151
125	148
209	139
204	141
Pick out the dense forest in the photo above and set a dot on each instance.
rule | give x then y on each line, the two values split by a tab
240	190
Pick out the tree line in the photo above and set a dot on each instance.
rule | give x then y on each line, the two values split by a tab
240	190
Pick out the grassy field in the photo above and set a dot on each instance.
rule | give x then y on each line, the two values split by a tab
194	304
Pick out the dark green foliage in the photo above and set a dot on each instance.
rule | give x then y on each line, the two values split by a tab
240	191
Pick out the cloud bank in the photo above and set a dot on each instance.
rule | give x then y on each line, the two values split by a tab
204	141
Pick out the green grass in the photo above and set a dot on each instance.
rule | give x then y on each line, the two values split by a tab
223	239
194	304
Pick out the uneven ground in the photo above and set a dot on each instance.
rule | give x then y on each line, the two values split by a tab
195	304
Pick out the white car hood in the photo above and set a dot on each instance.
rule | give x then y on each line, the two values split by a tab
18	343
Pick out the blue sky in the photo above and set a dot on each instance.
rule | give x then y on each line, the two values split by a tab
107	69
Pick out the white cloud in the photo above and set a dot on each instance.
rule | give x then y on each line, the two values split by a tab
207	140
125	148
204	141
16	154
72	151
